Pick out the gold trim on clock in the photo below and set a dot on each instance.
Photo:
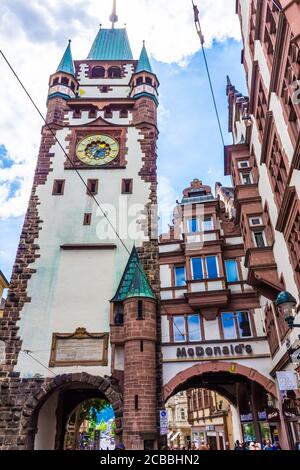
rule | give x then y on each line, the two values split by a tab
97	149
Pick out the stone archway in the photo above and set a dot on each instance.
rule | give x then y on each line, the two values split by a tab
233	367
107	386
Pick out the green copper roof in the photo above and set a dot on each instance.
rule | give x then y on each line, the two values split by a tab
111	44
66	63
134	282
144	62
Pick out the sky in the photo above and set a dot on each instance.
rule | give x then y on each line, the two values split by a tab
189	144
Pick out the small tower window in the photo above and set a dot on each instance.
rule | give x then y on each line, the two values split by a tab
142	346
87	219
123	113
108	114
98	72
148	81
119	314
140	310
104	89
139	81
127	185
58	187
92	187
136	402
55	81
72	86
65	81
114	72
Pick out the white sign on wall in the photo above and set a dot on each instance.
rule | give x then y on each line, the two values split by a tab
163	418
287	380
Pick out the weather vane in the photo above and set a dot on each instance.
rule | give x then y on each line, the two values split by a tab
114	17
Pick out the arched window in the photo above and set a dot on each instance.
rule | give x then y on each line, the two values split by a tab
148	81
139	81
98	72
65	81
114	72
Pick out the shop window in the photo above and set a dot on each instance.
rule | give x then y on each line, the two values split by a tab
194	327
231	270
179	329
197	268
58	187
98	72
180	277
92	187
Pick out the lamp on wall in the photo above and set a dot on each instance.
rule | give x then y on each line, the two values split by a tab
287	303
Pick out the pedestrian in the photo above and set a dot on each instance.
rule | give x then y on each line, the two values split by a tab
268	445
120	446
237	446
246	445
276	446
257	446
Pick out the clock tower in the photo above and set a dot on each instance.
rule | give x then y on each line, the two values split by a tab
81	317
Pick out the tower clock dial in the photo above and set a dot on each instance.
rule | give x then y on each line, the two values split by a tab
97	150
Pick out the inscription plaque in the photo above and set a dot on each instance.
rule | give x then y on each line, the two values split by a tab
79	348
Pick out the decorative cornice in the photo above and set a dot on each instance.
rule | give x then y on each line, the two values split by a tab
285	210
282	38
266	137
88	246
296	158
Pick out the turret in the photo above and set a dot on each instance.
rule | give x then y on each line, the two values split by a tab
63	82
144	81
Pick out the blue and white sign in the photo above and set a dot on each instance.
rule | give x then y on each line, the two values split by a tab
163	415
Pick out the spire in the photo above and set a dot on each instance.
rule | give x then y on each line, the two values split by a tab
66	64
114	17
111	44
134	282
144	62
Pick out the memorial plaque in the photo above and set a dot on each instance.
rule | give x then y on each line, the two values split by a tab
79	348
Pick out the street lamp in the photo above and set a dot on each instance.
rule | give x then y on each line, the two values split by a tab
287	303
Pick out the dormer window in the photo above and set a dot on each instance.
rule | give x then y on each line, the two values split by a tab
114	72
98	72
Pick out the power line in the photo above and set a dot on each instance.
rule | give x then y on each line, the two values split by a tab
28	353
199	32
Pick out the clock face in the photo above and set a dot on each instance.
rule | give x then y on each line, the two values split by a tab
97	149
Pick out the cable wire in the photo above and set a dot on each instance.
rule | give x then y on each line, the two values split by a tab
199	32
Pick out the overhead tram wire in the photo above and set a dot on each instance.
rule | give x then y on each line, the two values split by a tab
74	167
201	37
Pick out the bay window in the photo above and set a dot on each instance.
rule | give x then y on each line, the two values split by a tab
231	270
180	278
212	267
197	268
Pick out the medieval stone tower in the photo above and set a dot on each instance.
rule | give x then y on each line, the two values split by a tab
81	317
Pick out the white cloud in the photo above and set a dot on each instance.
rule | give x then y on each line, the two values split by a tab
34	34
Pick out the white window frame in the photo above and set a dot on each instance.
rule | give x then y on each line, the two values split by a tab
264	237
211	220
192	268
218	266
240	164
188	224
251	218
250	174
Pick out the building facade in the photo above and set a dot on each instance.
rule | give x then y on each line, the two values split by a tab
213	333
3	285
264	165
210	417
179	435
81	314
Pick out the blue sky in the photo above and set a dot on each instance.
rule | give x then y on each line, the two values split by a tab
189	143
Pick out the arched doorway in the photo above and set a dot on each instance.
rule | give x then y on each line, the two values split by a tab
249	393
46	415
